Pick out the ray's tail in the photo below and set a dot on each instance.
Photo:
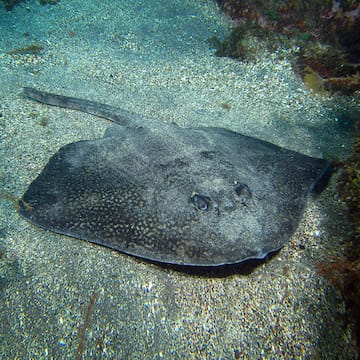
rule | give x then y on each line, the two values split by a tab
115	114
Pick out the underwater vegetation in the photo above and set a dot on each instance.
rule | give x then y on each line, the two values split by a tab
9	4
349	187
245	42
344	271
283	16
327	69
82	329
33	49
327	32
344	275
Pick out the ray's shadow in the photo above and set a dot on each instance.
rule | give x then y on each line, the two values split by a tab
243	268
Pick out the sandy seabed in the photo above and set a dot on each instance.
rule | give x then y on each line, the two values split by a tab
153	58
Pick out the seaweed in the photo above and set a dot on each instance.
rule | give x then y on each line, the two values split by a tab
344	275
290	16
33	49
44	121
326	69
344	271
8	196
48	2
9	4
349	188
313	81
245	41
326	31
82	329
346	85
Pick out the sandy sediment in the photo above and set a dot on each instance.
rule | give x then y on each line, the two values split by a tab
154	59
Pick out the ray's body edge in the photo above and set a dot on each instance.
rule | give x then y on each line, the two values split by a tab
25	214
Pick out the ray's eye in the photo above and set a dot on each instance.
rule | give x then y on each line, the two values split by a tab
243	192
201	202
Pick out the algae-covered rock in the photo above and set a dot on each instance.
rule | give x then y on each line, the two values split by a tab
9	4
327	32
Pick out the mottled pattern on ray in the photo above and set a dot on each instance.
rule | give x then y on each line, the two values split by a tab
190	196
